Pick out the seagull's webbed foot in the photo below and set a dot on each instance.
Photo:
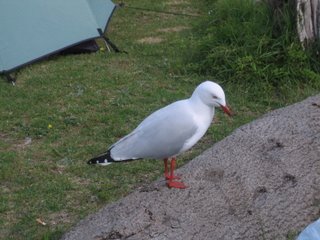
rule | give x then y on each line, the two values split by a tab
169	177
174	184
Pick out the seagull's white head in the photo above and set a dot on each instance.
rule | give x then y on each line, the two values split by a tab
212	95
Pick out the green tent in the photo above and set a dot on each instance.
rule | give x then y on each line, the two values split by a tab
34	29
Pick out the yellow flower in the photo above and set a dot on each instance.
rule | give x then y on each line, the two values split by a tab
49	126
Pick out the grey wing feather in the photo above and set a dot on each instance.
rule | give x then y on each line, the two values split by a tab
160	135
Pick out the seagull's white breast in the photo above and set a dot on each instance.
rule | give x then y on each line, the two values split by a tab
203	122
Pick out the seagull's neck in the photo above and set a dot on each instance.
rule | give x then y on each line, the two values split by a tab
199	106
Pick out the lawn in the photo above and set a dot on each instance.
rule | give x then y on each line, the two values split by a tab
67	109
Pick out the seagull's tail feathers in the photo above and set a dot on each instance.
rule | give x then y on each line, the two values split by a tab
103	159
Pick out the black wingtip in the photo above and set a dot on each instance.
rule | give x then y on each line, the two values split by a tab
92	161
103	158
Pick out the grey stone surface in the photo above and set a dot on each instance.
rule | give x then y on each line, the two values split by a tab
261	182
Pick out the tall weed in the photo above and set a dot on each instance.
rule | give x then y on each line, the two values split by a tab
247	42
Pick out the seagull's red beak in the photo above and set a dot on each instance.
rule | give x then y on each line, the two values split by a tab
226	109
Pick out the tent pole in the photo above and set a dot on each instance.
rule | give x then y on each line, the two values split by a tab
114	47
109	43
107	46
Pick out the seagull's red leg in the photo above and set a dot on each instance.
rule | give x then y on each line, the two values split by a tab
166	170
170	182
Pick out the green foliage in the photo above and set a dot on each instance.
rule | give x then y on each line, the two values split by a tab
245	42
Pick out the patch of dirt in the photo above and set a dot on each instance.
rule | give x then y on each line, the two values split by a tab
176	6
22	144
58	218
80	181
150	40
3	136
15	144
177	2
173	29
261	182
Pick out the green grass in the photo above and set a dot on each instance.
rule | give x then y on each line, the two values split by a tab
255	47
73	107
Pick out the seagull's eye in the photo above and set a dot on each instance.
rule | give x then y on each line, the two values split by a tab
214	97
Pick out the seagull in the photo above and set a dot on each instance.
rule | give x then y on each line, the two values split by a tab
169	131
